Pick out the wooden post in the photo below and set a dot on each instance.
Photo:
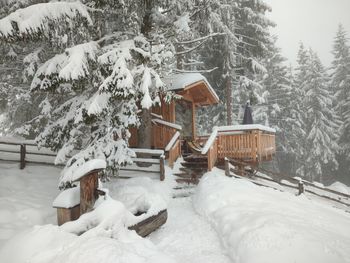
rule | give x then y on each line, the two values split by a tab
162	167
259	145
227	167
241	169
254	146
88	193
23	156
301	187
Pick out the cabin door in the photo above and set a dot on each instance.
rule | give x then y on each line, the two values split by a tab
183	117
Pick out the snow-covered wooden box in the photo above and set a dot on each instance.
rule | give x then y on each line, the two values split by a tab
74	202
68	205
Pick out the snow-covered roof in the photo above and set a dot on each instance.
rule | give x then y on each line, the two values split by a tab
178	82
73	173
68	198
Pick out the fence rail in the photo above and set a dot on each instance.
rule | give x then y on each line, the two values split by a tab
25	152
301	185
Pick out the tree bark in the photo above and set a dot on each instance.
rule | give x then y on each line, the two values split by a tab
145	130
229	99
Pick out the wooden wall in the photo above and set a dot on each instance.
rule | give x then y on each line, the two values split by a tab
161	135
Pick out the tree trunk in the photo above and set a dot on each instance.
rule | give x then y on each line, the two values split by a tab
145	130
229	99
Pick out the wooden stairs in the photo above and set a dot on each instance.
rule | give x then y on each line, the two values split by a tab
193	168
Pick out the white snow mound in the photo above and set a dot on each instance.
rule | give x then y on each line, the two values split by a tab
258	224
98	236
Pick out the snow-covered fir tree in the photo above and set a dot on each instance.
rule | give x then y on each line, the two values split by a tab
340	84
107	61
320	120
238	56
283	106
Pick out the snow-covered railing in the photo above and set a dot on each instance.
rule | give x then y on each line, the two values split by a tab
210	140
172	141
163	131
168	124
246	127
173	149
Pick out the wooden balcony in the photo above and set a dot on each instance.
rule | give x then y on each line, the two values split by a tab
248	143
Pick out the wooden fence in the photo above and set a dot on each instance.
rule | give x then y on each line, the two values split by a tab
25	152
301	185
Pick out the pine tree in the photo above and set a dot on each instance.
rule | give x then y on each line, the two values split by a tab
319	118
237	56
107	61
340	83
284	110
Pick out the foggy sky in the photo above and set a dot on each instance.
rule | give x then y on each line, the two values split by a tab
314	22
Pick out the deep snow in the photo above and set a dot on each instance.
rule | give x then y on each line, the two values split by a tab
226	220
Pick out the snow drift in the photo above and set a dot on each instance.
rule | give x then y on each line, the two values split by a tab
258	224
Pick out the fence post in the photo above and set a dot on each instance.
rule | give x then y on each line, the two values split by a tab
301	187
23	156
162	167
227	167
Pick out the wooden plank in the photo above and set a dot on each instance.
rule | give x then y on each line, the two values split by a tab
148	225
133	167
148	151
145	160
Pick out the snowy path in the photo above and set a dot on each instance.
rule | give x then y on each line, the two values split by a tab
187	236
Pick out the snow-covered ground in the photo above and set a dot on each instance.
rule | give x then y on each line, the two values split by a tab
26	197
260	224
226	220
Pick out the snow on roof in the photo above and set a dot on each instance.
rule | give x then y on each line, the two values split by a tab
183	80
68	198
73	173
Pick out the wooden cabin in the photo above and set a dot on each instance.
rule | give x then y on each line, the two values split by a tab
253	143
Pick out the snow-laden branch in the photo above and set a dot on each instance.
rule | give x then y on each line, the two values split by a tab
199	39
191	49
196	71
71	65
35	18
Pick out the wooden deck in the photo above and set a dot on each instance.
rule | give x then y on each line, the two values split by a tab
250	143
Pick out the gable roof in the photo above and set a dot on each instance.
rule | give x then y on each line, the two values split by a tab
194	87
